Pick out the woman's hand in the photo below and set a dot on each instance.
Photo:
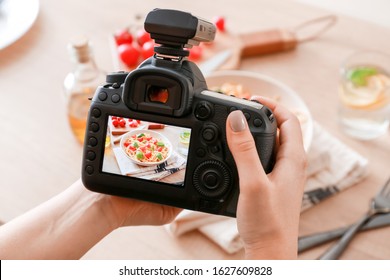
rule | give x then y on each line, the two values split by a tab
269	204
131	212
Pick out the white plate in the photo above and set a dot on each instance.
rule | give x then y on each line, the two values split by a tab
153	134
258	84
16	18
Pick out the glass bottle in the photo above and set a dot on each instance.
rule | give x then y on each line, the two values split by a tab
80	85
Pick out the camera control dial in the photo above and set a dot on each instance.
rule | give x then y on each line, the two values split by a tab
212	179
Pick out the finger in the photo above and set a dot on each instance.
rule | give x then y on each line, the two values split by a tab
290	133
291	147
243	149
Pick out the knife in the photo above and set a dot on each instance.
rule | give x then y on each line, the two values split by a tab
310	241
214	62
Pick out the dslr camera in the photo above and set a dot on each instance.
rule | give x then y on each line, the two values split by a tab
158	134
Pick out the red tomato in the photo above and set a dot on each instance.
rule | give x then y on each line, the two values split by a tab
123	36
129	54
147	49
133	123
115	123
148	155
195	53
219	22
142	37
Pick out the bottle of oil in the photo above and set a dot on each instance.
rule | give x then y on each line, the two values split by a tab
80	85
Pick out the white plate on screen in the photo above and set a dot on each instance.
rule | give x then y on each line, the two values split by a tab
16	18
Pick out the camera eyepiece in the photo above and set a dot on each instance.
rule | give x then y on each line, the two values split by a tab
182	30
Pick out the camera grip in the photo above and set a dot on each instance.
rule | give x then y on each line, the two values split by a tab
265	145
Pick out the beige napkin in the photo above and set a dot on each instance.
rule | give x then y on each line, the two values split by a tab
332	167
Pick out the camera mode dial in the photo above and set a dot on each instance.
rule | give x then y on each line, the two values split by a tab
212	178
116	77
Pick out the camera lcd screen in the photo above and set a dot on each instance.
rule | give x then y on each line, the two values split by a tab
146	150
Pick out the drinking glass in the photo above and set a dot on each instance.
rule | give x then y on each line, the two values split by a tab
364	94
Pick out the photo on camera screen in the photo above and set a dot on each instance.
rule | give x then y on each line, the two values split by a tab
146	150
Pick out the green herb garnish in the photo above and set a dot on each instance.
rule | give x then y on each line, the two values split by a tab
359	76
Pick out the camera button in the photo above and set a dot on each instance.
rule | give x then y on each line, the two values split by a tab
91	155
231	109
94	127
89	169
200	152
257	122
211	180
214	149
116	85
209	134
247	116
102	96
96	112
92	141
115	98
203	111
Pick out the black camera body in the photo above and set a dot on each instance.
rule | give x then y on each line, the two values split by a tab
157	134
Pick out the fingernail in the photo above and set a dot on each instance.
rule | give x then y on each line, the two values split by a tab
237	121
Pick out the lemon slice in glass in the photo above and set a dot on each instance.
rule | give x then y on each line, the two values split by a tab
185	137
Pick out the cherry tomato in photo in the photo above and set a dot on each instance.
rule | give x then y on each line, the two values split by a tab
142	37
129	54
147	49
219	22
123	36
195	53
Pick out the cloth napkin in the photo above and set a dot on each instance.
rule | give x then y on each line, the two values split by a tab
155	172
332	167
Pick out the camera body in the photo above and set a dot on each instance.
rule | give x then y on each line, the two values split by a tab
157	134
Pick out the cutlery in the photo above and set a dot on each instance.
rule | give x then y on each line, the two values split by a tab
380	204
214	62
310	241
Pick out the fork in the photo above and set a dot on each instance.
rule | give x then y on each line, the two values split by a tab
380	204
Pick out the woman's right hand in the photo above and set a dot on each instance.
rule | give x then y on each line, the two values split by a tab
269	204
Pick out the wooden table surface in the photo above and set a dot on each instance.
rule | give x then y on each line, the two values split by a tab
40	157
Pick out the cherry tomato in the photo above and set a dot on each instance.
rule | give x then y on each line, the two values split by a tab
129	54
133	123
147	49
122	123
195	53
123	36
148	154
115	123
142	37
219	22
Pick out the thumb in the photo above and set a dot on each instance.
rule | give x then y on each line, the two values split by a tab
243	148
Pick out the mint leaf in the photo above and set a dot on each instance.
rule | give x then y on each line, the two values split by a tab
359	76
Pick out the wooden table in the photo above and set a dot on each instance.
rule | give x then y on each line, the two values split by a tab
40	157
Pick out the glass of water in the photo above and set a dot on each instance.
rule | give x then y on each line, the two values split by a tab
364	94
